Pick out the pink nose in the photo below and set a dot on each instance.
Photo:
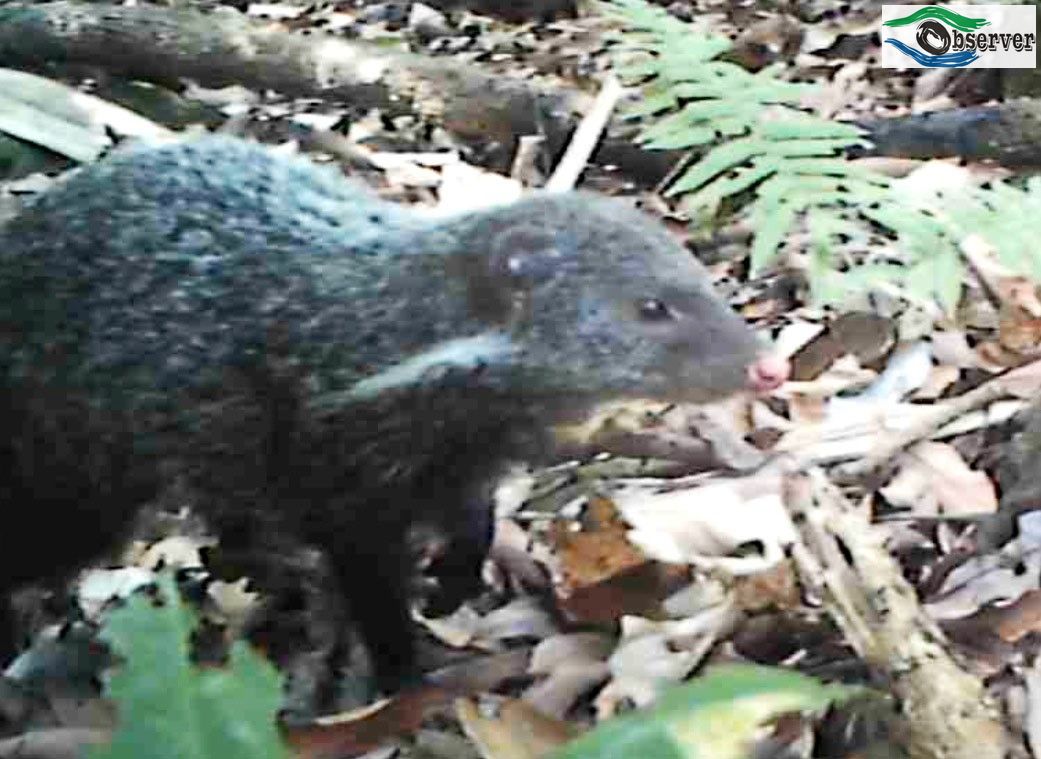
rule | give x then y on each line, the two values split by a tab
768	373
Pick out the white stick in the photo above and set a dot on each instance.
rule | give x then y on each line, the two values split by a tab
585	138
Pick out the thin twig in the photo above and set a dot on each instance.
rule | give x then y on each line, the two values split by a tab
924	428
586	138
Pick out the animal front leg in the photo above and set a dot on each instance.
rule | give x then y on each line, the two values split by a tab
458	568
373	579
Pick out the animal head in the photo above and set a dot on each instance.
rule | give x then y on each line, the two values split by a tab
600	301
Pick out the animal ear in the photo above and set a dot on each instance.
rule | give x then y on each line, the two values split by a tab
529	255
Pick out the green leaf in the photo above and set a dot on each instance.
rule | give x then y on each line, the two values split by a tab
808	147
720	159
714	717
712	194
800	191
772	223
650	104
765	93
170	708
769	158
832	167
680	138
713	111
937	277
633	73
802	126
683	66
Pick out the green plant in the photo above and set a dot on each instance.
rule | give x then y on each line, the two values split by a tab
763	155
168	706
715	716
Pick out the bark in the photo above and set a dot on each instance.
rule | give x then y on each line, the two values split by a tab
1008	133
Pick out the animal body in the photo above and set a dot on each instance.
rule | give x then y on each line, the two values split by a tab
315	362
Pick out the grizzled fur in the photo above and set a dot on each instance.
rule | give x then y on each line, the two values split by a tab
313	360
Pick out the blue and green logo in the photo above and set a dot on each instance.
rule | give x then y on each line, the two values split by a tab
938	31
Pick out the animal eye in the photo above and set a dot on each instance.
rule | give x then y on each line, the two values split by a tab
654	310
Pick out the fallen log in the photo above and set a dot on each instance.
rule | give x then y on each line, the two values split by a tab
167	45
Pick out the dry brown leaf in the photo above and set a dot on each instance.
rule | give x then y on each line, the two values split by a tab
866	336
1019	331
515	731
1017	619
639	590
599	550
993	357
365	729
776	588
457	630
603	575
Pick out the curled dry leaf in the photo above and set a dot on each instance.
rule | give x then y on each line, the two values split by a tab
652	654
992	578
556	694
569	666
844	374
795	336
703	437
522	618
559	650
1019	331
457	630
1023	381
511	730
907	370
707	525
992	357
776	588
934	479
1019	304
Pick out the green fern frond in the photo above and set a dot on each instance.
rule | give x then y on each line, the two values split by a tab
762	155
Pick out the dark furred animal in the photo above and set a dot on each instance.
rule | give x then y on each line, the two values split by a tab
312	360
